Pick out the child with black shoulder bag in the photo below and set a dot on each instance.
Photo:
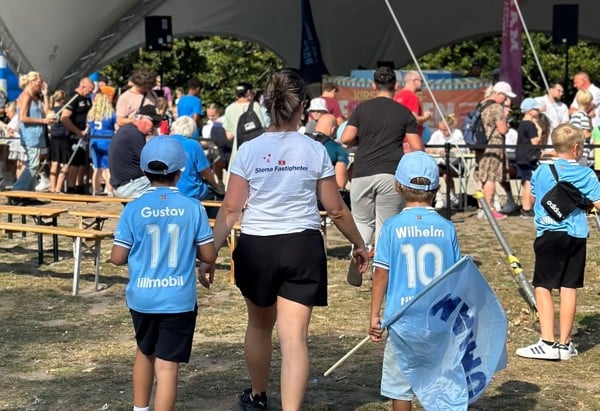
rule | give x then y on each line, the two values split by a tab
560	244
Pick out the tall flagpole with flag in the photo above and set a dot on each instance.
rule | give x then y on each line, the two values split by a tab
511	52
312	66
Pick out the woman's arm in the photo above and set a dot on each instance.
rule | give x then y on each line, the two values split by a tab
24	104
329	195
231	208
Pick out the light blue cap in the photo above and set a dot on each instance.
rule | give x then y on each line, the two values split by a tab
165	149
418	164
530	104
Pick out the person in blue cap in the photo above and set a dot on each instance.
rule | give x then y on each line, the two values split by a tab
414	247
159	236
527	152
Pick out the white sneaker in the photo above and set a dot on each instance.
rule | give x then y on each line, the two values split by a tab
481	214
43	184
497	205
540	351
565	351
454	200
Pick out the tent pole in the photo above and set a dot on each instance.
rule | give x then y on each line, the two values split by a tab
459	152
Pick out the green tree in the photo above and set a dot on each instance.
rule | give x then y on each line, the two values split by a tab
219	62
459	57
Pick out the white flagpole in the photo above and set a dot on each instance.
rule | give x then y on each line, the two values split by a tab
348	354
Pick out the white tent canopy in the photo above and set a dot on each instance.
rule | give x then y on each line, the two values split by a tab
67	39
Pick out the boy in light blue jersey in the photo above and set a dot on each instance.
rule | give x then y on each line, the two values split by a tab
560	246
413	248
159	236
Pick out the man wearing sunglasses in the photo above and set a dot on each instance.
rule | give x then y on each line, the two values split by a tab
124	152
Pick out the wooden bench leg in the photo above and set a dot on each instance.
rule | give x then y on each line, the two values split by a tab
23	221
55	241
97	262
76	264
40	241
9	233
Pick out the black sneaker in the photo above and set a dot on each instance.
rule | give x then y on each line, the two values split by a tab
253	402
527	214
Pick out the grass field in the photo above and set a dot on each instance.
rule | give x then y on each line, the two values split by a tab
59	352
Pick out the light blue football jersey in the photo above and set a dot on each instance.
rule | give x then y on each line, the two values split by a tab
415	247
162	230
581	177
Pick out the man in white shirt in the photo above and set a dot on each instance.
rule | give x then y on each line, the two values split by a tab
581	81
553	108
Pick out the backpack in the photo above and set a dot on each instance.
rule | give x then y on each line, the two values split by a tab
248	126
320	137
472	126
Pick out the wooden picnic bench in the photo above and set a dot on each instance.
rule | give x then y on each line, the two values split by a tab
38	214
77	234
66	197
93	218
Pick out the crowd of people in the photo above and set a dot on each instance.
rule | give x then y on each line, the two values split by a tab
168	151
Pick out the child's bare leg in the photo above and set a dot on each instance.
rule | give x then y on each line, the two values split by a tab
166	385
53	174
545	309
143	377
568	303
401	405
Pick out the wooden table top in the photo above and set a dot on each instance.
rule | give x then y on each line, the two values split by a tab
32	211
79	198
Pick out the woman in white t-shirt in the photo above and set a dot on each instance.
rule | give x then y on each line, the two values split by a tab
280	261
435	146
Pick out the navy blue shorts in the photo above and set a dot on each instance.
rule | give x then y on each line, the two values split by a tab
60	150
293	266
167	336
559	260
524	171
80	157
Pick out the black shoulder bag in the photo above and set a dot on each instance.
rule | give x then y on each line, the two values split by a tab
562	199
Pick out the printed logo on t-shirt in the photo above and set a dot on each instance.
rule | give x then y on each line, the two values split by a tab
281	166
267	158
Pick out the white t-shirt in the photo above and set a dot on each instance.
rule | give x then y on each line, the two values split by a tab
455	138
557	112
282	169
510	139
595	92
438	138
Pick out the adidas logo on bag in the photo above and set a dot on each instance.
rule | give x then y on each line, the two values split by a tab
554	208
